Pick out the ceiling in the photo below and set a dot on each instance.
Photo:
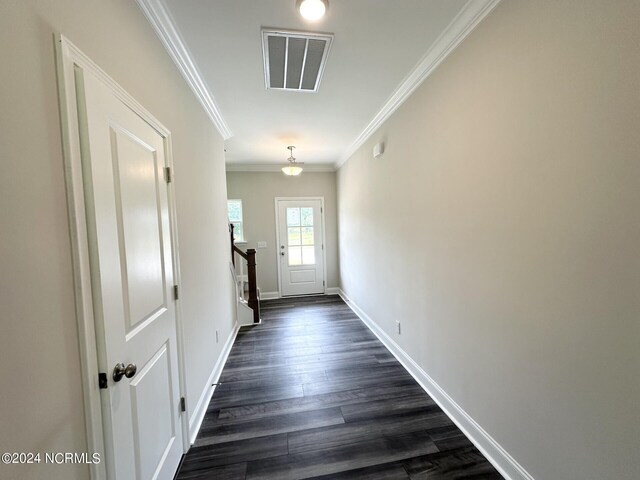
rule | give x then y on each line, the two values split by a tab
377	46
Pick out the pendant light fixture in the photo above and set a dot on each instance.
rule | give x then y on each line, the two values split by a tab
312	10
293	169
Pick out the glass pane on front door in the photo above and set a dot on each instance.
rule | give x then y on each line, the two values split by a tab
300	236
306	215
293	217
307	235
295	256
308	255
293	236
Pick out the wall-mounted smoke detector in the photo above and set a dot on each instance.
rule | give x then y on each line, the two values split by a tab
293	60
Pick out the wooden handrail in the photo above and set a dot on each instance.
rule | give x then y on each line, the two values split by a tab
240	252
250	257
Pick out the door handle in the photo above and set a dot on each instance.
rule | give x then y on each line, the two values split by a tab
120	371
282	253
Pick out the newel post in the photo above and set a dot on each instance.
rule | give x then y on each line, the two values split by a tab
233	253
253	286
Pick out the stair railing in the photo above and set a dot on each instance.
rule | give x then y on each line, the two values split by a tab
250	257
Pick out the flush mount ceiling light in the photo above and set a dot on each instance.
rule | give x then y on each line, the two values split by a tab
293	169
312	10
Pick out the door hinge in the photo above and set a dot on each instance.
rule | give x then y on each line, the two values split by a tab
102	380
183	404
176	292
323	283
167	174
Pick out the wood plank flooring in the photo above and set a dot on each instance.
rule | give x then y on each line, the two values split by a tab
312	393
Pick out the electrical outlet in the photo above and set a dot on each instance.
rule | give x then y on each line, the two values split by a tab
398	327
217	336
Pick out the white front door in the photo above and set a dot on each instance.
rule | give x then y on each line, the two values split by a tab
126	197
301	249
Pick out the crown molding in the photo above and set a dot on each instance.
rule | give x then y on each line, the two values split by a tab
460	27
265	167
165	28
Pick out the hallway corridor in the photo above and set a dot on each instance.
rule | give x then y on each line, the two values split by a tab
312	393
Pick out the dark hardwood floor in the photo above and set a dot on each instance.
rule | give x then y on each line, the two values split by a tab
312	393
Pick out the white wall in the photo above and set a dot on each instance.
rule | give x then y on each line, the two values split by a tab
502	227
41	397
258	191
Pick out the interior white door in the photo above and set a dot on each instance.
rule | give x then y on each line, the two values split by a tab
301	249
126	198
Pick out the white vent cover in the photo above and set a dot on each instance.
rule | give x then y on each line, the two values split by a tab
294	60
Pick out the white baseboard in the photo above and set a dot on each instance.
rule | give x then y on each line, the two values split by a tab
269	295
272	295
201	408
498	456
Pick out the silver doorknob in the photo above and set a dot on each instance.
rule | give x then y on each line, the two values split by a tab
282	253
120	371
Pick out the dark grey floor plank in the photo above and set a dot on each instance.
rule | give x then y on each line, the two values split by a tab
232	394
207	456
279	383
466	463
318	388
247	362
339	459
386	407
354	432
213	432
344	372
386	471
290	376
236	471
449	438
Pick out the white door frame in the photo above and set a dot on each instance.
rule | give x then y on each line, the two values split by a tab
68	59
324	239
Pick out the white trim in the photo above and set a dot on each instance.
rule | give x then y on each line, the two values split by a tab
201	407
324	238
68	56
490	448
274	295
462	25
277	168
269	295
164	26
175	256
65	59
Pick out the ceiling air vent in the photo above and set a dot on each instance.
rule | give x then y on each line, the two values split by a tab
294	60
